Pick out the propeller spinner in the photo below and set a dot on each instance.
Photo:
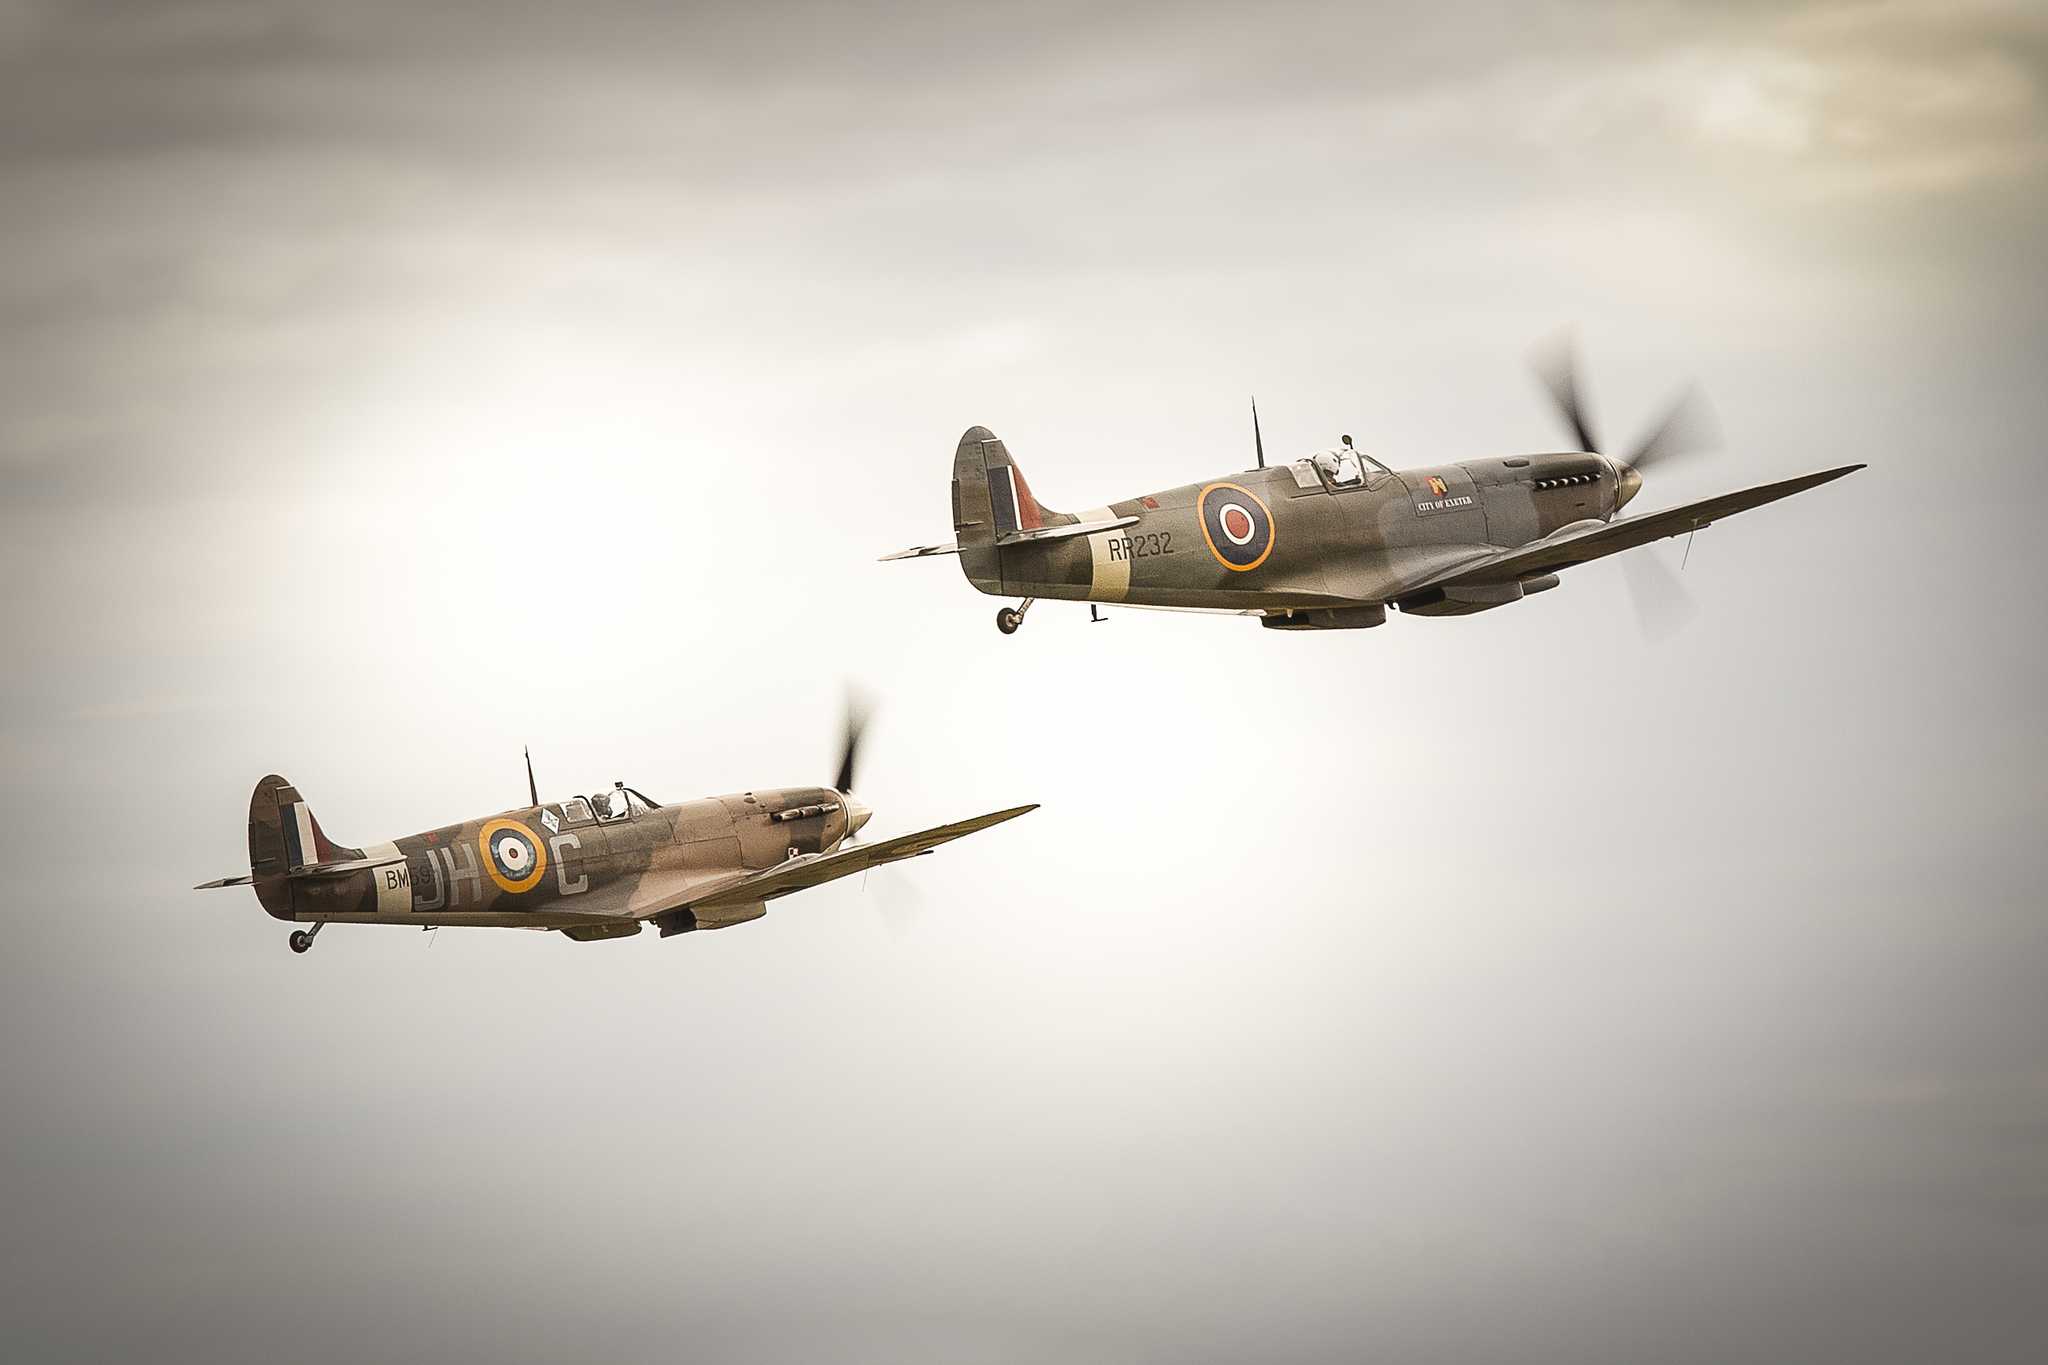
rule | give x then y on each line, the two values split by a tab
1687	427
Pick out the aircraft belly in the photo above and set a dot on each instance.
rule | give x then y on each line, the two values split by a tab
475	919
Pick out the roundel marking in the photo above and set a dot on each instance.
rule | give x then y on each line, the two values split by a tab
1237	523
512	855
1237	526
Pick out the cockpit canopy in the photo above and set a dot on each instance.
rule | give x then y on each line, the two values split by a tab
620	803
1339	467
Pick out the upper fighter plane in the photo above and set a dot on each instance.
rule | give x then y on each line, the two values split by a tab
591	867
1331	541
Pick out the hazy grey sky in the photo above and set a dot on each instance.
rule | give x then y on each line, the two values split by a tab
383	387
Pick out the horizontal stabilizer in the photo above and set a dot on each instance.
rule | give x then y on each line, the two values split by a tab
340	869
1029	537
224	881
1076	528
921	552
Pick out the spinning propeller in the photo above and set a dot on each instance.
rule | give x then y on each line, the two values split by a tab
1687	428
857	812
896	897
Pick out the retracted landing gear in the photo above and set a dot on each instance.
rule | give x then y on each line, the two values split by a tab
302	939
1009	618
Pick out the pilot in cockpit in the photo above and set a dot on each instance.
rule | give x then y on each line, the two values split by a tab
1341	467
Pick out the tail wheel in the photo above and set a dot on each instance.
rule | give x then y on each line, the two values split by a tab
300	940
1008	619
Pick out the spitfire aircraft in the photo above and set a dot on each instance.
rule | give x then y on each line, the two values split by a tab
592	867
1330	542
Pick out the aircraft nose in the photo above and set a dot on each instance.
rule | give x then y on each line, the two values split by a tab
1628	483
857	814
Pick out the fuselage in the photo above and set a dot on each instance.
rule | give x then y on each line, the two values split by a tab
572	864
1305	535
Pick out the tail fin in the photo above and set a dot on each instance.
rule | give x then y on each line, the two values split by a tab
284	837
990	499
990	496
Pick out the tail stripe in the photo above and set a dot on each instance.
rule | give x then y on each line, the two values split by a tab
1109	577
1030	516
302	844
1011	501
1002	494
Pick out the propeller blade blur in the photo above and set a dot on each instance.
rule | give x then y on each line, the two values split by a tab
1663	605
849	752
1688	428
1556	365
898	901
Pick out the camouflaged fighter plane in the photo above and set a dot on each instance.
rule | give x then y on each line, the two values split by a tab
1331	541
590	867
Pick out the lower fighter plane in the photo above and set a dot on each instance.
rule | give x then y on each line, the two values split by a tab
1330	542
590	867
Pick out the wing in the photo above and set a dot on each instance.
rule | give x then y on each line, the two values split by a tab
802	873
1574	547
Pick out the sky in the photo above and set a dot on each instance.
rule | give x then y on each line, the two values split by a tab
384	387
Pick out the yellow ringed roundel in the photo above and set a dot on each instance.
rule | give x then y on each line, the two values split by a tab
1237	526
513	856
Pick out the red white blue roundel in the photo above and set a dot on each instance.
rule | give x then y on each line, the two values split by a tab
513	857
1237	526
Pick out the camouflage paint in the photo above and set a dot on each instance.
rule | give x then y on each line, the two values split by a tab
559	866
1317	554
